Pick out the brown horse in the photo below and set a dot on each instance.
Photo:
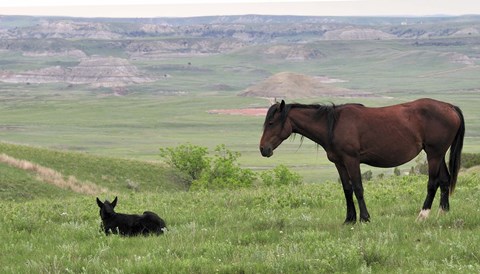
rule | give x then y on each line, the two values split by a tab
383	137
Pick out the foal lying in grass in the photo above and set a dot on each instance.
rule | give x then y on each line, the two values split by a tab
129	224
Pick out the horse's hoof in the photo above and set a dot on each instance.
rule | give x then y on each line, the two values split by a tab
423	215
350	221
365	220
442	211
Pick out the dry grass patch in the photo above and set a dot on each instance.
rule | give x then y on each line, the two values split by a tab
53	177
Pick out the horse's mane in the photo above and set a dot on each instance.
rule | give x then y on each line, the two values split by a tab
321	110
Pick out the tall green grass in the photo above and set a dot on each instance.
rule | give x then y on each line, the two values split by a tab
294	228
262	230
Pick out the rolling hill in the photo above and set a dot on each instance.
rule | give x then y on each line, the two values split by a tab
289	85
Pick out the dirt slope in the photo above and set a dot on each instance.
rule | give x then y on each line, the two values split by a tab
293	85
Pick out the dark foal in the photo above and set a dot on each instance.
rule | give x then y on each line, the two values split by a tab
129	224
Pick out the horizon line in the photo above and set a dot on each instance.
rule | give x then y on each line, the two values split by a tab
348	8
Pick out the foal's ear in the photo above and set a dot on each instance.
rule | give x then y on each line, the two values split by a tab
99	203
114	203
282	105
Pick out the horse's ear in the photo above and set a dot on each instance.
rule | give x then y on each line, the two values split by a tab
99	203
114	203
282	105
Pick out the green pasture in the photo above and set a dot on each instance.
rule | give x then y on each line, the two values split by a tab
174	109
101	139
288	229
136	126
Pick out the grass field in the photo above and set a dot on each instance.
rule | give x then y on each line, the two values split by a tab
136	127
90	136
254	230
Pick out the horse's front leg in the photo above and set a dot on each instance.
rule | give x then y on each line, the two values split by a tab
348	191
353	169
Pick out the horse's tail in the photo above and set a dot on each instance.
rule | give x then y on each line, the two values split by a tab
456	151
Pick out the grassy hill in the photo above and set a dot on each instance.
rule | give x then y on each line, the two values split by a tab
103	173
262	229
20	186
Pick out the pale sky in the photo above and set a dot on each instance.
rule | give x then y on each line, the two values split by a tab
184	8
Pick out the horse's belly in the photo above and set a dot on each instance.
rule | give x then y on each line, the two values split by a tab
376	163
388	158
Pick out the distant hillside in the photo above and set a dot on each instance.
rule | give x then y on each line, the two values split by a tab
257	28
97	72
292	85
118	52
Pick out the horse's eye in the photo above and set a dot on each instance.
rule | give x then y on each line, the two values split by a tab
270	123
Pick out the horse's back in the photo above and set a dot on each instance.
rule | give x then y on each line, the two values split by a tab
417	114
392	135
438	119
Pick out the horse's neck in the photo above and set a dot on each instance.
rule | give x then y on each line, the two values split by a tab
311	124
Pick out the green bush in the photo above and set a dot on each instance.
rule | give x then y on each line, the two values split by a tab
190	160
397	172
367	175
280	175
199	170
202	171
224	172
470	159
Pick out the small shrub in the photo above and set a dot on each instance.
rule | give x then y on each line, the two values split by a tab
421	166
190	160
396	171
133	185
280	175
470	159
224	172
412	171
367	175
199	170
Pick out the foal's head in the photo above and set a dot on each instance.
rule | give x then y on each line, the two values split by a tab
106	208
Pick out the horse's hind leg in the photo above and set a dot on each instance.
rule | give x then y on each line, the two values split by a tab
432	186
444	181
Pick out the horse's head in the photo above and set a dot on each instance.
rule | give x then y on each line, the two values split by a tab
106	208
275	129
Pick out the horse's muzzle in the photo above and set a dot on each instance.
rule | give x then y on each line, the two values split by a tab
266	151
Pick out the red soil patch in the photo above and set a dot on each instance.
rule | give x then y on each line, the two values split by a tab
241	111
